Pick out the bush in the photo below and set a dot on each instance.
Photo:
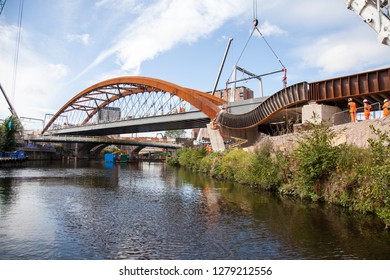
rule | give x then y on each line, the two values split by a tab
8	130
190	157
270	172
374	195
235	166
315	155
315	159
207	163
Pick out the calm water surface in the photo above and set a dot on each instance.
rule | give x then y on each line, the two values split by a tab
88	210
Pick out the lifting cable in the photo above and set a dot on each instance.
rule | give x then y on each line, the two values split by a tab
255	23
16	57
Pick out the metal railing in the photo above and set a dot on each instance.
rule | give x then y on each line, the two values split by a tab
344	116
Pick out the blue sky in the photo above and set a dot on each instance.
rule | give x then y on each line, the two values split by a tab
67	46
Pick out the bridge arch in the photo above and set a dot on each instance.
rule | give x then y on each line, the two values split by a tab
90	101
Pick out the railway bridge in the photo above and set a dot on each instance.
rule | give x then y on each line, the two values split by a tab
140	104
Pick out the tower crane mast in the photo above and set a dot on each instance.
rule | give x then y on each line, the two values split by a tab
376	14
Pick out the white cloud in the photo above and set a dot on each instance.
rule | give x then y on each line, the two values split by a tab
166	24
83	38
58	71
123	6
268	29
307	14
343	52
37	81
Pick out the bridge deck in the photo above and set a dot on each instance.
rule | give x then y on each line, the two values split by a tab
103	140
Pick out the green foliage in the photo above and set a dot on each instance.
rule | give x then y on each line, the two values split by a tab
315	156
374	193
236	165
270	172
380	147
111	149
209	164
173	161
8	131
190	157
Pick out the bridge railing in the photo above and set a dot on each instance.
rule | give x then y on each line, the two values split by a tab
344	116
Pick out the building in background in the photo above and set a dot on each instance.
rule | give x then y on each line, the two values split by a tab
242	93
109	114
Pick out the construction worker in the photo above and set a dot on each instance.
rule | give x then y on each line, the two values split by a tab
386	107
367	109
352	109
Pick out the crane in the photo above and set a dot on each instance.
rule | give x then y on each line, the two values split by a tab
2	3
376	14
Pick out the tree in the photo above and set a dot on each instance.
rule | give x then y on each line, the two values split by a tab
8	131
175	133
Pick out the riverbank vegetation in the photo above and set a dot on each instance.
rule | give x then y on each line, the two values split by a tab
8	131
318	170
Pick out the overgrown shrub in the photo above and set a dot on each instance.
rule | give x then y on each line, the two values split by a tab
8	130
374	194
190	157
315	159
269	171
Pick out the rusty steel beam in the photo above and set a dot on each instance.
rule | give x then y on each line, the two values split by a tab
358	85
372	84
283	99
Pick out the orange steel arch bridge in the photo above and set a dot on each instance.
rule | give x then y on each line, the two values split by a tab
130	98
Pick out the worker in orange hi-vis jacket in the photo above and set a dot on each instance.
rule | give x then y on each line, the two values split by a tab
367	109
386	107
352	109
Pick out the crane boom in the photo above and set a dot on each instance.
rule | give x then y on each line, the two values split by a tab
376	14
11	108
2	3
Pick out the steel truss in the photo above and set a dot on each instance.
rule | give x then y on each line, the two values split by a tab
127	98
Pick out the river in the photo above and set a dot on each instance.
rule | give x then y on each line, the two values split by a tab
90	210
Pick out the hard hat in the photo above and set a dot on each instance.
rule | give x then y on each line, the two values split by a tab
349	99
365	100
385	100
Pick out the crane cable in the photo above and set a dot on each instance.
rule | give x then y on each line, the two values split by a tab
272	50
254	9
255	23
16	57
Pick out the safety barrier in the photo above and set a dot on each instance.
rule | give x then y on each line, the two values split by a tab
344	117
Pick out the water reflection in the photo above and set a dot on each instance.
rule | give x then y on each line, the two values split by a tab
90	210
303	229
7	193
